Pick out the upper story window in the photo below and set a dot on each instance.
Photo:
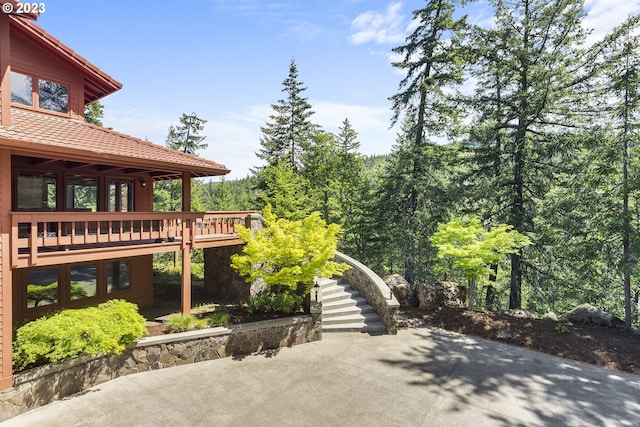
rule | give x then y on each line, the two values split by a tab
21	89
52	96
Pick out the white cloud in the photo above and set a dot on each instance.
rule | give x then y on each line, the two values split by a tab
380	27
233	137
371	123
604	15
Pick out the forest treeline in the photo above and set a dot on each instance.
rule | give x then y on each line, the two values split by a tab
522	123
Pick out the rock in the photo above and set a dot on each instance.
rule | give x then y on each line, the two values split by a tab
441	294
588	314
522	314
405	322
402	290
550	315
507	335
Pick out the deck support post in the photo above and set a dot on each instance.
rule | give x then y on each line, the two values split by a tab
185	282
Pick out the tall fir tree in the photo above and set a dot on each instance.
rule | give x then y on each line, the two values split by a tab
621	66
288	133
540	71
432	60
186	136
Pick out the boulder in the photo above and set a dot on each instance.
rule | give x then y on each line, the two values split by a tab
522	314
588	314
402	290
441	294
551	316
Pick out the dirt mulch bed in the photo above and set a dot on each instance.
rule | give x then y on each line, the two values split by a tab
609	348
237	315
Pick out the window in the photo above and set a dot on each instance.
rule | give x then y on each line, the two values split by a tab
37	191
117	276
120	196
82	194
52	96
83	281
42	287
21	89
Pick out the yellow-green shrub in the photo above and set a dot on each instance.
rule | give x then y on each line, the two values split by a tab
287	255
109	327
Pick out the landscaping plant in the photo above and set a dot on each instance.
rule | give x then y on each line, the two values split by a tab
181	323
286	255
109	327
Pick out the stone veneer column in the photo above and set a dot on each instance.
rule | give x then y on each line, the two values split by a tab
221	281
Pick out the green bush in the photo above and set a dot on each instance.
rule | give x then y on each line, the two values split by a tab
109	327
286	302
218	318
180	323
287	255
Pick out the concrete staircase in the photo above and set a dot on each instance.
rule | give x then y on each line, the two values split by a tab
344	310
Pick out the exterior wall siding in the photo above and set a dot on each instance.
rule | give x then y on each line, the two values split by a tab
5	102
6	315
26	57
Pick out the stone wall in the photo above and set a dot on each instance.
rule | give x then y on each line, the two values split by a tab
45	384
221	282
372	287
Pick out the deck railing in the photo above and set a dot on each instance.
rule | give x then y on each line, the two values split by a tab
35	232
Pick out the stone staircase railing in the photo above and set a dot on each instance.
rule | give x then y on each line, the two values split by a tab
372	287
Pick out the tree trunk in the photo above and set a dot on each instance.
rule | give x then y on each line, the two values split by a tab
490	299
472	292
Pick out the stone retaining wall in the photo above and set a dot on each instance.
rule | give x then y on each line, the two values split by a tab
372	287
39	386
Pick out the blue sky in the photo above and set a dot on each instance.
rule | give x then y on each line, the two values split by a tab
225	60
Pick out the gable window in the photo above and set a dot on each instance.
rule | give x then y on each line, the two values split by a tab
21	89
26	89
53	96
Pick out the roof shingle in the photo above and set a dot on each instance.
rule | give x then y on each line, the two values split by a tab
40	134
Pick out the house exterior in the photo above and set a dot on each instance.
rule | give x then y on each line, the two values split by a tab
77	225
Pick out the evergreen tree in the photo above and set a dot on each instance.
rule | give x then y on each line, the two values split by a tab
622	73
287	135
431	59
93	113
539	71
321	169
286	190
167	195
186	136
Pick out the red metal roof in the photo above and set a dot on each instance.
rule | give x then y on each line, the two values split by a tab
42	135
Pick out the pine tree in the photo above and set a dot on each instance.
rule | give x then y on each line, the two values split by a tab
432	61
185	137
287	134
538	72
622	71
93	113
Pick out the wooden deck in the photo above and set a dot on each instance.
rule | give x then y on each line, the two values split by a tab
49	238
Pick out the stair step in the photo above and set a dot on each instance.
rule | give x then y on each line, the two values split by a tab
341	296
335	303
372	327
346	311
324	283
335	289
350	318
